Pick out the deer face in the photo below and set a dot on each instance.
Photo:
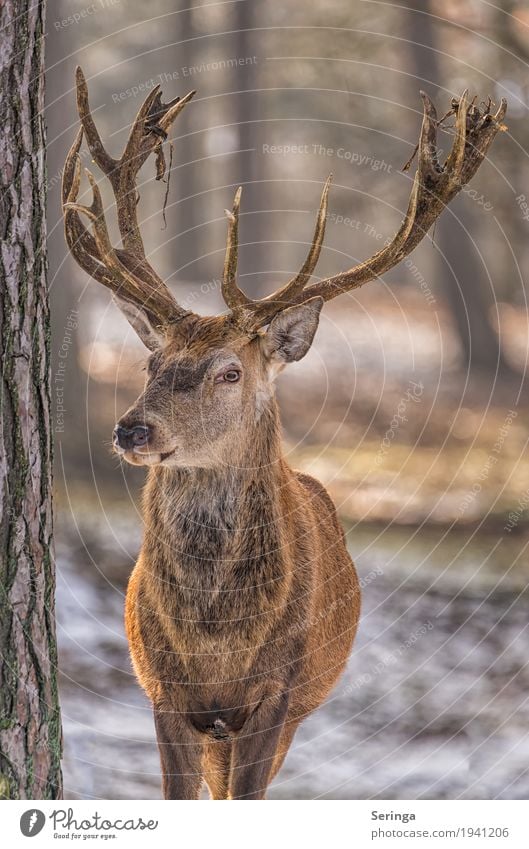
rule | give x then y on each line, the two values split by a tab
207	387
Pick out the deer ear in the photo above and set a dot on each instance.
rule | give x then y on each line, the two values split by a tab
139	321
290	333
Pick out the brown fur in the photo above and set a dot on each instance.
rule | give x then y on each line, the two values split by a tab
244	602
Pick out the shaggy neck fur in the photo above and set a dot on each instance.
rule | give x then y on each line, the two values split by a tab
214	533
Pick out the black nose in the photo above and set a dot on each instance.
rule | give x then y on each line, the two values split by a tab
128	438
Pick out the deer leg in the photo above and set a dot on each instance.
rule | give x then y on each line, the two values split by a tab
254	751
285	740
216	766
180	756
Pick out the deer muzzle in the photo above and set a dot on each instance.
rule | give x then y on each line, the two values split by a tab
133	437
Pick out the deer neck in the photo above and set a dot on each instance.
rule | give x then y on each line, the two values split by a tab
209	514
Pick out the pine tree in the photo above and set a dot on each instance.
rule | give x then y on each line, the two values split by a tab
30	730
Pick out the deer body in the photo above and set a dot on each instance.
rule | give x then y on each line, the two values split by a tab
240	616
244	602
243	605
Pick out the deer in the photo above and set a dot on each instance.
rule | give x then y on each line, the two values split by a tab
243	605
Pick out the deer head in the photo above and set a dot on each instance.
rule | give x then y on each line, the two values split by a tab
210	379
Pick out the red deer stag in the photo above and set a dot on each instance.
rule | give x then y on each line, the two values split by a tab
243	605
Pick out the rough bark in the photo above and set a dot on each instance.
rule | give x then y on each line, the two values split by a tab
30	731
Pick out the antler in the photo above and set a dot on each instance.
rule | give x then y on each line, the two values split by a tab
125	271
434	186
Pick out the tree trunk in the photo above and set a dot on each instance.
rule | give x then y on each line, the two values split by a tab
30	731
247	108
188	212
71	445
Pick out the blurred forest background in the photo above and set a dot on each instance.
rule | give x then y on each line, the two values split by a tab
411	406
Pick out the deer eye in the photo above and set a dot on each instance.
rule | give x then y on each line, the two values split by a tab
230	376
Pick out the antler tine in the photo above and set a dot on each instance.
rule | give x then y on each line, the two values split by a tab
95	214
122	280
434	186
80	242
156	118
126	272
139	146
124	179
173	110
145	137
456	156
132	151
296	286
231	293
103	159
246	311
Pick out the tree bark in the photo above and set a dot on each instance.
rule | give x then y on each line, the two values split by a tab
30	730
